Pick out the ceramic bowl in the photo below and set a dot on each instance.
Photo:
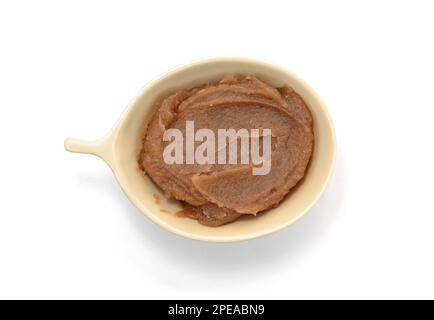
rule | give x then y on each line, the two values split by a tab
120	146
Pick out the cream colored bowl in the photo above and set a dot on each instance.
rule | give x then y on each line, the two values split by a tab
120	147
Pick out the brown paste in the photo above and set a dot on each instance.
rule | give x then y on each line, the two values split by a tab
217	194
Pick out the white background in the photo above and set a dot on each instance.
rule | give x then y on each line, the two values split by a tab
70	68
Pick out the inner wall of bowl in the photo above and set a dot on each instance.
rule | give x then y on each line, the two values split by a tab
141	190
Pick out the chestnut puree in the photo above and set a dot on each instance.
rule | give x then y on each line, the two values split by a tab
216	194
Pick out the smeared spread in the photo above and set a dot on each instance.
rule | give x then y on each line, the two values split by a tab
215	193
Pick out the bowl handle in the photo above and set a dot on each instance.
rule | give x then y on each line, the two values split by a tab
102	148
